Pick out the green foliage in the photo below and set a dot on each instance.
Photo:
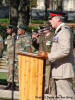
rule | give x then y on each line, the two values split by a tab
38	21
29	28
3	75
33	3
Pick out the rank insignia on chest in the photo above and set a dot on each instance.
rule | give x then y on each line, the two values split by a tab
48	43
55	39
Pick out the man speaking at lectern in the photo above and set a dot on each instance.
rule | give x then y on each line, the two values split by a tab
61	58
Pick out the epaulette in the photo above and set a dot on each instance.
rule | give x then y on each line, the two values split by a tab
66	27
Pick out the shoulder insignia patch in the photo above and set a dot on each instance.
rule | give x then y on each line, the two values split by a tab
66	27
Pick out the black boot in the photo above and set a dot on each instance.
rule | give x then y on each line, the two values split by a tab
13	86
47	91
17	88
8	87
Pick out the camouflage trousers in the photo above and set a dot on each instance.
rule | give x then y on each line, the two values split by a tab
49	82
10	66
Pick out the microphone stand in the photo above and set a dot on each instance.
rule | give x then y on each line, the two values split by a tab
13	69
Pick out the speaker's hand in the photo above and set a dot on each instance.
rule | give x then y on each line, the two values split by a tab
43	54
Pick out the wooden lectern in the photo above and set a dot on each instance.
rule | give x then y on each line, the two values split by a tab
31	70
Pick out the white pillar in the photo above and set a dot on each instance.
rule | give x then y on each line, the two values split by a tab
41	4
69	5
4	2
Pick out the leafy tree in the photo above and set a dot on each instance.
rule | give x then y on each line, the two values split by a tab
33	3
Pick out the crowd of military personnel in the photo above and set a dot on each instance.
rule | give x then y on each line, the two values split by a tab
15	43
39	40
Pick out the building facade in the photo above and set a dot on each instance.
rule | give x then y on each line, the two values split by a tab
67	6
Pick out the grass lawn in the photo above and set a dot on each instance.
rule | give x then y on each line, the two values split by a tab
4	20
3	75
3	78
37	21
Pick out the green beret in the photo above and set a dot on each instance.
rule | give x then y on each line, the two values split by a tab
10	26
22	27
41	27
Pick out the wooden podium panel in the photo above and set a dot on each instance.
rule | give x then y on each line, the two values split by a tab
30	77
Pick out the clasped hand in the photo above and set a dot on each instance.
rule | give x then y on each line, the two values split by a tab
43	54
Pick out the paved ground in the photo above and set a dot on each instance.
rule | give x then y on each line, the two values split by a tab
3	70
7	94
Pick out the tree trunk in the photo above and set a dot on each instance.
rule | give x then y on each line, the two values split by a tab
19	12
23	12
14	12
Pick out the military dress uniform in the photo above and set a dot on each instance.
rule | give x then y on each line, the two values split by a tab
62	62
45	42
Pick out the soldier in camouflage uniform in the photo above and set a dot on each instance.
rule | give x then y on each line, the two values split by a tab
45	41
23	43
10	55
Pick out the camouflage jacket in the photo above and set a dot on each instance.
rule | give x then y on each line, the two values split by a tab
23	43
45	42
10	46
